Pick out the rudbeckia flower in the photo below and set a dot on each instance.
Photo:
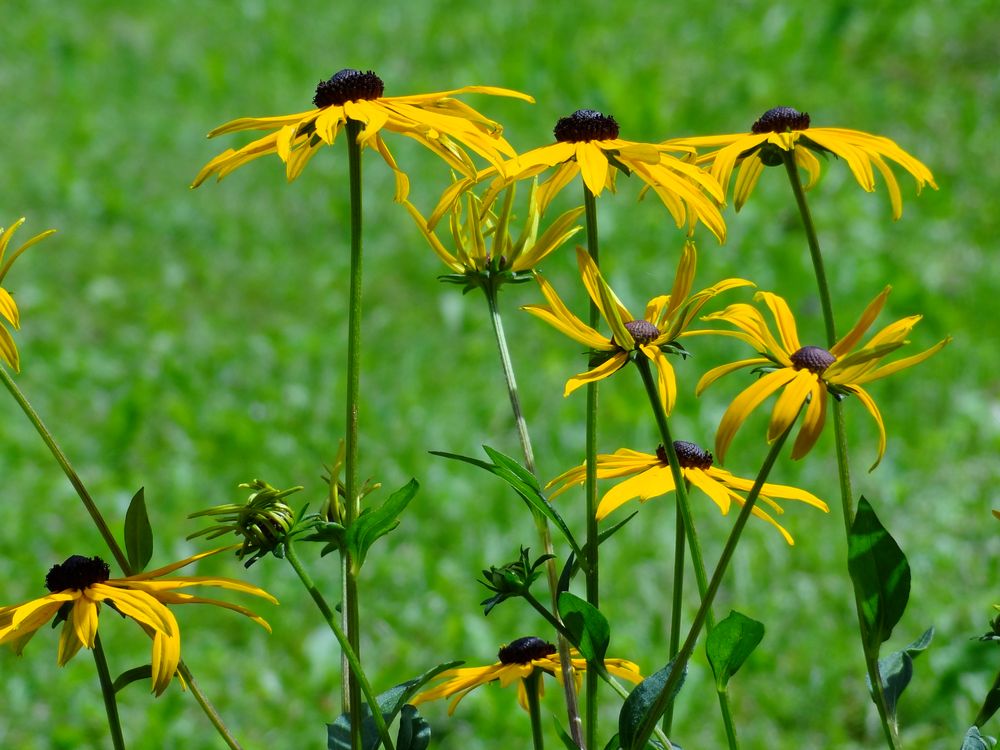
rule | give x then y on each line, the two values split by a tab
587	144
517	661
438	121
664	321
650	476
80	585
786	129
8	308
804	374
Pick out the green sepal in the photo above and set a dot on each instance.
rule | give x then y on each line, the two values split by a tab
390	703
730	644
588	629
880	573
636	714
129	676
331	532
377	522
973	740
896	671
523	482
138	533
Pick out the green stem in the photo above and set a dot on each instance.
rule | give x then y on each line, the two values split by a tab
348	651
531	689
109	539
351	612
686	519
676	600
840	435
108	690
491	291
684	655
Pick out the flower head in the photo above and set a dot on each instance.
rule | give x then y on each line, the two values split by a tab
804	374
784	129
517	661
80	585
438	121
9	314
587	144
665	320
649	476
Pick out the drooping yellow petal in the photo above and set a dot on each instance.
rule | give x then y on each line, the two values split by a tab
869	404
613	365
84	619
69	643
902	364
139	605
710	486
649	484
8	308
812	423
746	180
717	372
593	166
666	381
789	403
744	404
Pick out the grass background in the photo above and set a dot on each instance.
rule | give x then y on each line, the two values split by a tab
189	340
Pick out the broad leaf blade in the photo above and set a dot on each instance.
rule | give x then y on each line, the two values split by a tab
635	713
414	731
377	522
880	573
896	671
589	629
138	533
730	644
976	741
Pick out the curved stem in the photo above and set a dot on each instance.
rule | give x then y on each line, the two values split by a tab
491	291
686	519
840	435
349	653
108	691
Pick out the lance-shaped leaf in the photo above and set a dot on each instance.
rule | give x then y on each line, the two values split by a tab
376	522
138	533
976	741
636	711
730	644
588	628
896	671
880	573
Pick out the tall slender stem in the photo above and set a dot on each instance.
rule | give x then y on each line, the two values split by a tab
109	539
687	521
531	690
491	291
840	435
349	653
108	691
677	596
351	611
591	568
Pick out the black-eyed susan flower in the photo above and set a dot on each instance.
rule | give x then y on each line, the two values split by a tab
647	475
483	243
587	144
804	374
80	585
517	661
9	314
784	129
665	320
438	121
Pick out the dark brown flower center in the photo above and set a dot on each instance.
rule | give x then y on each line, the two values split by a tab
689	455
525	650
812	358
348	85
78	572
586	125
780	120
642	331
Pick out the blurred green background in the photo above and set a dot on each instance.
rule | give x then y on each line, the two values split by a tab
186	341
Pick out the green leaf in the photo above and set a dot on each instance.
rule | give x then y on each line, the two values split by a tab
636	715
730	644
414	731
880	573
129	676
588	628
975	741
567	741
138	533
338	734
896	671
377	522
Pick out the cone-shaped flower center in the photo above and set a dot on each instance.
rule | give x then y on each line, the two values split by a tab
586	125
348	85
525	650
78	572
812	358
642	331
780	120
689	455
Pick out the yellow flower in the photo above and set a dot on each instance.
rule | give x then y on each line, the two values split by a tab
483	244
436	120
587	143
79	586
805	373
8	308
786	129
517	661
664	321
650	476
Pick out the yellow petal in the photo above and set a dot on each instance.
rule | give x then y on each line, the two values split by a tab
600	372
744	404
868	317
812	424
789	403
785	320
593	166
869	404
84	619
649	484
